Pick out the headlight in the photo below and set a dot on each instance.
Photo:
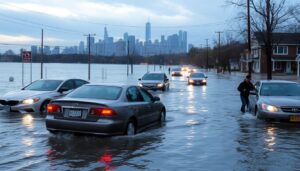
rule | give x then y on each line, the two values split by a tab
140	84
269	108
160	85
191	81
204	81
30	101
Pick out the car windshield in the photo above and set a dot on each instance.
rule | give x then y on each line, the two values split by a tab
280	89
97	92
44	85
201	75
153	77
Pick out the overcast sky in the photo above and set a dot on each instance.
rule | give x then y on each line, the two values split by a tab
66	21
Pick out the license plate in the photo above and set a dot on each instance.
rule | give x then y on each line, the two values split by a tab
73	113
295	118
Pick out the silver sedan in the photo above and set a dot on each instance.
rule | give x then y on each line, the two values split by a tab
35	97
276	100
105	109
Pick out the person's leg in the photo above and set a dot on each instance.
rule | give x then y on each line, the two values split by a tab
247	102
243	99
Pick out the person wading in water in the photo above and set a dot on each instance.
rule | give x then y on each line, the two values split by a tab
244	88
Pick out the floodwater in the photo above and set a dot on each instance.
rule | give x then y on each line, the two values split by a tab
204	130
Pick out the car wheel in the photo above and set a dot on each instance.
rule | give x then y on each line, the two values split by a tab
43	108
131	128
162	118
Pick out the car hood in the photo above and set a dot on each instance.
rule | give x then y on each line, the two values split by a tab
151	81
86	100
281	101
23	94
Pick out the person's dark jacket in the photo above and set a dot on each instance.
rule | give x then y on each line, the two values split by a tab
245	88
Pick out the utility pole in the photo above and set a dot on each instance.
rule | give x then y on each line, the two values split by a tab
219	48
127	57
42	53
269	40
249	39
206	54
89	58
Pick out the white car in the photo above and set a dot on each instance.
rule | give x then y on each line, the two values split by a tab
35	97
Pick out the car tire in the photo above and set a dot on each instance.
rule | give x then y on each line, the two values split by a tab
130	128
43	108
162	117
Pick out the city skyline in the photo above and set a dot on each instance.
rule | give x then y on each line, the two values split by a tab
128	45
66	21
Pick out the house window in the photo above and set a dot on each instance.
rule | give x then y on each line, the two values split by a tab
280	50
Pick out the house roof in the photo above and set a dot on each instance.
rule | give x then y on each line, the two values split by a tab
279	38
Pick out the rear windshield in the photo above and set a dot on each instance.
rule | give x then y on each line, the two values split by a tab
198	75
44	85
97	92
153	77
280	89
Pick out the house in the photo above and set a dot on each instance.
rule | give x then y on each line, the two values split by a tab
285	57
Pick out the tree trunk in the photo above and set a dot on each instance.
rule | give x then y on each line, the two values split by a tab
269	48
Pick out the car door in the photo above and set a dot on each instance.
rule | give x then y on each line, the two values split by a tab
138	106
254	98
67	87
154	111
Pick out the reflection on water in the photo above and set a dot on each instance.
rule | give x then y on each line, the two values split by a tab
27	121
271	138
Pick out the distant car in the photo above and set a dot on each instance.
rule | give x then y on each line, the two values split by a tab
197	78
176	72
35	97
105	110
276	99
155	81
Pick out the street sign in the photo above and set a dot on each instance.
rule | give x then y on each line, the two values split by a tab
26	56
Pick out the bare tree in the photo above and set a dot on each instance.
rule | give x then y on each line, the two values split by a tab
269	16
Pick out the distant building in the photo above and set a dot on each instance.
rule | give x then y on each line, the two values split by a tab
47	50
34	50
81	47
55	50
148	32
90	43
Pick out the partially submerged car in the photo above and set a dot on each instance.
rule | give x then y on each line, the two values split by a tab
155	81
105	109
35	97
197	78
276	99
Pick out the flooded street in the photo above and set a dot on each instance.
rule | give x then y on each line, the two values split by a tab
205	130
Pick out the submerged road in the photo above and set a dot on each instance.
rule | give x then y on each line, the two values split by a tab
204	131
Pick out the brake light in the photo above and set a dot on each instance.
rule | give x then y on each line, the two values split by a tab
53	108
102	112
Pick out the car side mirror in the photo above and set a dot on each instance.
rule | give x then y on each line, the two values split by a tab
156	99
63	89
206	76
140	79
253	92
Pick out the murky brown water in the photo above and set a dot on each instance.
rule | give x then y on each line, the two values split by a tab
204	131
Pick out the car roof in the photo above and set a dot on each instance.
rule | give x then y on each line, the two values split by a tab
158	72
277	81
110	84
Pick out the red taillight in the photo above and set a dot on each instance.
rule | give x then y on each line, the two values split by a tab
53	108
102	111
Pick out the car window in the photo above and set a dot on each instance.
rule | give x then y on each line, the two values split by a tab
79	83
146	95
153	76
133	95
280	89
201	75
97	92
68	85
44	85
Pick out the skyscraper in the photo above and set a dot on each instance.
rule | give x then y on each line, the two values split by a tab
105	33
148	32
